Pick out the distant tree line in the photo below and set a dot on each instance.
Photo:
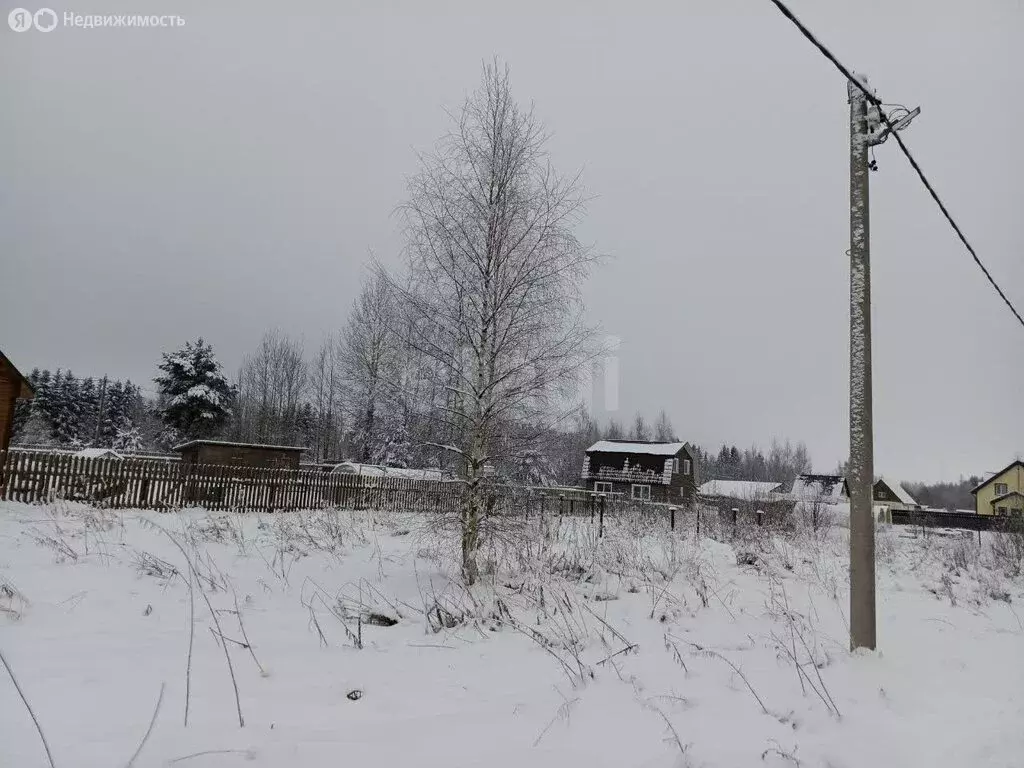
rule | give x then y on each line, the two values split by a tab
73	412
949	496
357	396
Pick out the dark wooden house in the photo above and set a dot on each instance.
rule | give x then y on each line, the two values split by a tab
892	494
642	470
239	454
12	387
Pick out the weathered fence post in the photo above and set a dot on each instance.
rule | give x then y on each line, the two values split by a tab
600	524
593	505
561	504
672	517
735	516
697	513
760	517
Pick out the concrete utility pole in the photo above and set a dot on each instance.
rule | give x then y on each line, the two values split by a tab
866	131
861	472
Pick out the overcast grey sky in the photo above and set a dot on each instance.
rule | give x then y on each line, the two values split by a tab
234	174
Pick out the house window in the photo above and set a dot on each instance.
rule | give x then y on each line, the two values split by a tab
675	465
1001	489
641	492
1016	512
999	510
687	466
602	487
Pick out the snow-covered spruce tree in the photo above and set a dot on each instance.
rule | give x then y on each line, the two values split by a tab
391	445
66	403
495	270
88	410
128	439
111	413
195	397
120	407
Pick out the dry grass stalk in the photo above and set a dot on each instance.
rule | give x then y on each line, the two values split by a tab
24	700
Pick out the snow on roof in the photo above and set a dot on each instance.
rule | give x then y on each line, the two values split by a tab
626	446
190	443
818	486
98	453
373	470
738	489
899	491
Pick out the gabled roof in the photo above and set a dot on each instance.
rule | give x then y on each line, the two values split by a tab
25	390
747	490
819	486
898	491
996	476
647	448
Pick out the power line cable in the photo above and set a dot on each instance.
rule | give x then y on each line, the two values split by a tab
903	147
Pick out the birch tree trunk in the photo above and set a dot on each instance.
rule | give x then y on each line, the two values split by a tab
492	302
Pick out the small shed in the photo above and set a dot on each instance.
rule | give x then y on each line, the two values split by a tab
12	387
239	454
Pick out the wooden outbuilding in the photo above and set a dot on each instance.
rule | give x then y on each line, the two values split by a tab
12	387
239	454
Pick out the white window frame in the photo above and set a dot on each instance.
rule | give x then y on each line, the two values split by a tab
633	488
687	466
1004	486
675	465
602	487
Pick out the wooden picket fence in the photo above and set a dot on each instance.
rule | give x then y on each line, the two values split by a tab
154	484
130	483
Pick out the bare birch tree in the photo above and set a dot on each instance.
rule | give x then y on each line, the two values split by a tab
272	383
495	267
368	357
640	429
326	394
663	430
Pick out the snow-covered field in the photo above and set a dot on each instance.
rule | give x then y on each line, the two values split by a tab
643	649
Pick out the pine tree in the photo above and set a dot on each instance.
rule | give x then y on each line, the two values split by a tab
305	425
42	403
391	445
196	398
88	411
66	408
115	416
127	439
